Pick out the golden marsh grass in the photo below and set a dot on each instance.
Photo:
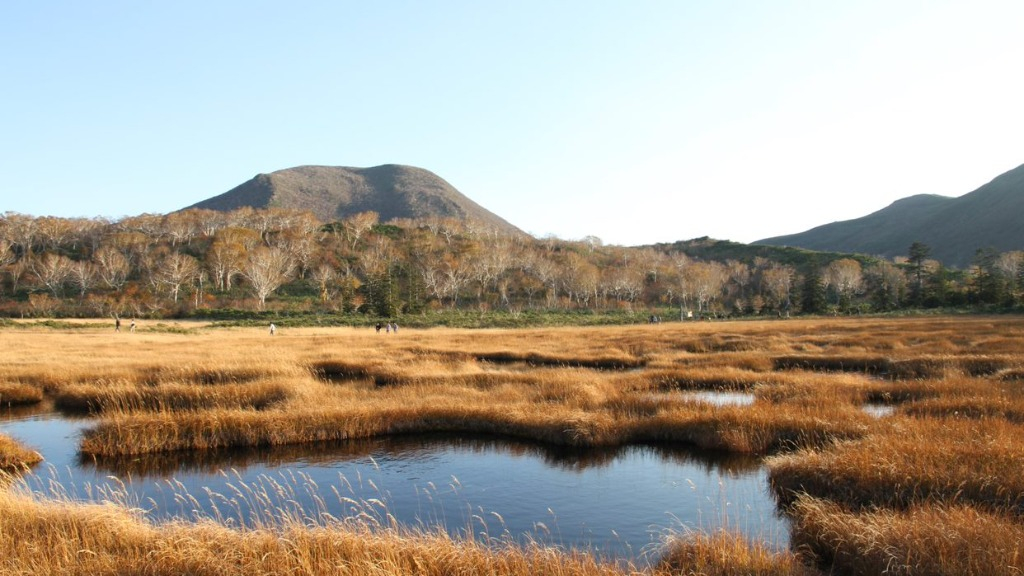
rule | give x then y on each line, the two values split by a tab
950	455
15	456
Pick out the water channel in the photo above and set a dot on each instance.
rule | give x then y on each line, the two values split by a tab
618	503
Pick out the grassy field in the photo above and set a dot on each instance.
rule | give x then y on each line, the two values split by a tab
937	487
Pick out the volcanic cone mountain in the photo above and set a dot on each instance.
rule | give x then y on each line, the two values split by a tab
334	192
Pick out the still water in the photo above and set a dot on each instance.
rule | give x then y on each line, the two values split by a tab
616	503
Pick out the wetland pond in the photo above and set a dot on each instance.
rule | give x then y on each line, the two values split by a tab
617	504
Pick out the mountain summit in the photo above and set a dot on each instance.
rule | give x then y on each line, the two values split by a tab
954	228
334	192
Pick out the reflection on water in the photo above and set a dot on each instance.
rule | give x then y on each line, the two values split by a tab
879	410
718	398
618	502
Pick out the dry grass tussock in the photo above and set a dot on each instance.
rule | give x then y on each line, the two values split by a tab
925	539
14	456
18	394
951	448
912	461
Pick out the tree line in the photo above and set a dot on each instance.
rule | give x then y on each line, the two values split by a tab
196	262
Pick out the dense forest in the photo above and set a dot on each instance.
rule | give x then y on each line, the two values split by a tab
259	263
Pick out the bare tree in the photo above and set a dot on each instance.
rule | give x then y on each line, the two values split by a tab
6	257
1010	265
177	270
111	266
6	254
82	275
180	227
52	271
266	269
209	221
704	282
300	240
149	224
356	225
324	275
20	230
778	283
623	283
52	232
845	277
740	275
227	254
545	270
579	278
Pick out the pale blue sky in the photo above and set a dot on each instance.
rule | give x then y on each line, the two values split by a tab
637	122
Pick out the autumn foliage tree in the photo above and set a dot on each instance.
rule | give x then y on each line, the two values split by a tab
147	264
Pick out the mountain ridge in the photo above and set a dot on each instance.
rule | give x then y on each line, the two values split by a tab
953	228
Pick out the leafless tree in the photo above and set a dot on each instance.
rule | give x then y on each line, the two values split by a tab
53	232
1010	265
545	270
740	275
111	266
324	275
266	269
149	224
209	221
82	275
227	254
778	284
176	270
6	254
300	240
180	227
6	257
579	278
845	276
20	230
357	225
704	282
52	271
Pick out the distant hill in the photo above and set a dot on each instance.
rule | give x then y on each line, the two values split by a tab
334	192
954	228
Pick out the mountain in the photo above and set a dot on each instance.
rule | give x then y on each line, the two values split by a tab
954	228
334	192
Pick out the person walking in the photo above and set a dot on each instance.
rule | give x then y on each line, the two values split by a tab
272	328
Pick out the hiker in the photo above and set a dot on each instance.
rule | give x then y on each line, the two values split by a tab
131	327
378	327
117	323
272	328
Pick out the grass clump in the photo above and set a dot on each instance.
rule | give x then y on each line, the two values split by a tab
727	554
18	394
16	457
912	462
924	539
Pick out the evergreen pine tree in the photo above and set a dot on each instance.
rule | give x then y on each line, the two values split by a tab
812	294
